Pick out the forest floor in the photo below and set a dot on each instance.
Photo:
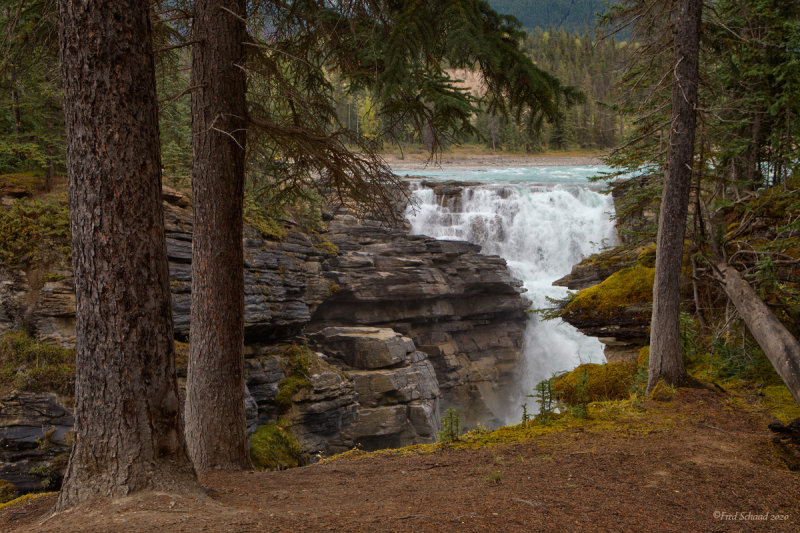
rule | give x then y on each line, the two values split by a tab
700	461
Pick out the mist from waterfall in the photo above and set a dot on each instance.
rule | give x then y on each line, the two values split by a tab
541	230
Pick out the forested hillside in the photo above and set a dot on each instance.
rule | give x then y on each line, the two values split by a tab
572	15
593	66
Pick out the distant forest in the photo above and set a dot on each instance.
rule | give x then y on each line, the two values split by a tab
578	60
574	15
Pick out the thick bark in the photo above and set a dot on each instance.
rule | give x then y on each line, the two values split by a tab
666	358
780	347
215	414
128	434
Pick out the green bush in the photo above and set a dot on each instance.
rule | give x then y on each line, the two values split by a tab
545	397
35	231
7	491
275	447
30	365
451	430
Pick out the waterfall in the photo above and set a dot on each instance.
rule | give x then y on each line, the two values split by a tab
541	231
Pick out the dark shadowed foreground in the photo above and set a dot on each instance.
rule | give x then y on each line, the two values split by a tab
699	462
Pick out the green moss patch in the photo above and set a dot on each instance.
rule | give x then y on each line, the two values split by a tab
630	286
780	403
297	367
275	447
30	365
25	498
591	383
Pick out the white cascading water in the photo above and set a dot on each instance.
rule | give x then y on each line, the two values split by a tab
541	231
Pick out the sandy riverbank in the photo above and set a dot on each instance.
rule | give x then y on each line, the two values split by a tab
457	160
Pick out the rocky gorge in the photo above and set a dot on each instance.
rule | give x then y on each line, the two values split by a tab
399	327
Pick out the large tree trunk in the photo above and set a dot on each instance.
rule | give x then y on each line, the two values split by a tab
215	415
128	434
780	347
666	357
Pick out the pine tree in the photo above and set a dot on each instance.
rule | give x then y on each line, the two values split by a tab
396	51
128	434
666	354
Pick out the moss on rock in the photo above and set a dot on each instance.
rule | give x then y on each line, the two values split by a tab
632	286
610	381
297	367
275	447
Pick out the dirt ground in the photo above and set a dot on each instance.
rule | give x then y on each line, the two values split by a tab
712	468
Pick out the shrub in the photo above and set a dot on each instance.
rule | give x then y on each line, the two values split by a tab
7	491
591	383
643	359
27	364
275	447
546	398
35	231
451	427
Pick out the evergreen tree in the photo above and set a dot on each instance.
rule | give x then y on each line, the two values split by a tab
398	53
31	123
747	103
128	434
666	355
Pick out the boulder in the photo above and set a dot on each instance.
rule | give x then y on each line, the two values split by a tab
365	348
398	393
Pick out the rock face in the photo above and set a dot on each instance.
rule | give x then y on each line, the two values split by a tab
401	324
398	393
34	430
461	308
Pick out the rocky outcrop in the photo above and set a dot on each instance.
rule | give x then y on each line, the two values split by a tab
617	311
398	393
366	386
34	435
444	326
461	308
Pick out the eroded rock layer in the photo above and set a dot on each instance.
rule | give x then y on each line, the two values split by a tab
440	325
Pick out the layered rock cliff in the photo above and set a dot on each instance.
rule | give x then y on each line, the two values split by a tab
436	323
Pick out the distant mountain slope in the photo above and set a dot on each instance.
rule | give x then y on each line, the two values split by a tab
574	15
